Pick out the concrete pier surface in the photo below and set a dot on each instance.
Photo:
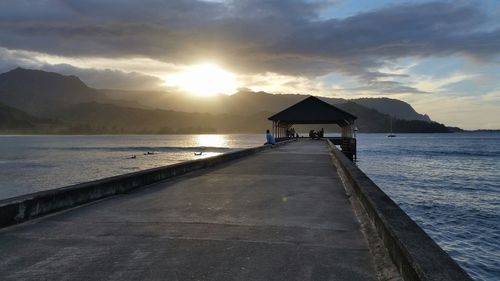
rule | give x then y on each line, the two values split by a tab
281	214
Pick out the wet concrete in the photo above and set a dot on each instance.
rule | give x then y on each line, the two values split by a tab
281	214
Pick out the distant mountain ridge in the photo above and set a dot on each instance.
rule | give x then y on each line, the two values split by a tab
248	102
77	108
109	118
40	92
15	119
395	108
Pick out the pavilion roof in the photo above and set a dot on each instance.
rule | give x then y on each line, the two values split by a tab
312	110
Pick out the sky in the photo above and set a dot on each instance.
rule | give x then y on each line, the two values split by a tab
442	57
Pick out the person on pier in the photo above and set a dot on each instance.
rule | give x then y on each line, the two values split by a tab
270	138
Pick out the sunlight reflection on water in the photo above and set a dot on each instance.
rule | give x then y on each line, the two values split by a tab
211	141
34	163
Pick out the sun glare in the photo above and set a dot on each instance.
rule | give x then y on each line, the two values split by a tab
211	140
203	80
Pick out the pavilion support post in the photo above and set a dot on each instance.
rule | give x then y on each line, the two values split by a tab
347	130
348	143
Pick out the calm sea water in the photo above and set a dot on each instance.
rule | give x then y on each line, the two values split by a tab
448	183
33	163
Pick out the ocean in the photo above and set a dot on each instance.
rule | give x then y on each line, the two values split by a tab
33	163
448	183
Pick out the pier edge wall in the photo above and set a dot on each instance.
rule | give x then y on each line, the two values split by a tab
30	206
415	254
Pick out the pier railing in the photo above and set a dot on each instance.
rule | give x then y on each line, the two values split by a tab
414	253
347	145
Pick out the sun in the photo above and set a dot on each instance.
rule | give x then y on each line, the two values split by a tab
203	80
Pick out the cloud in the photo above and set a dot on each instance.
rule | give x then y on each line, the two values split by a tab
364	41
10	59
93	77
258	36
386	88
465	111
293	39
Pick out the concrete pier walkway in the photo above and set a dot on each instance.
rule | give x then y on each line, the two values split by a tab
281	214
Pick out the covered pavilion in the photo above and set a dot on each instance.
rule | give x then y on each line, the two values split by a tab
313	110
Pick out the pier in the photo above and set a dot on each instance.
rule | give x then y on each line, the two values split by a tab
297	210
281	212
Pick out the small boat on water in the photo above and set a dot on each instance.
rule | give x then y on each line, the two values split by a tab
391	134
198	153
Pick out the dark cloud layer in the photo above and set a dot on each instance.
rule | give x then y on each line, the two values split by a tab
287	37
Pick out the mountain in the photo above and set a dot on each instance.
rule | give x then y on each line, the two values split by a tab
109	118
40	93
96	118
77	108
242	102
248	102
12	119
395	108
371	121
